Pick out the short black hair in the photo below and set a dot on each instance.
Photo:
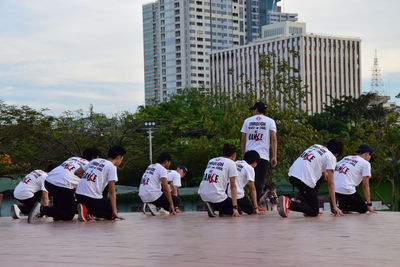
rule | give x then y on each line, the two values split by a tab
164	156
90	153
116	151
51	166
335	146
228	150
251	156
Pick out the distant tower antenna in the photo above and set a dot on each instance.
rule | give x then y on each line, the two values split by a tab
376	81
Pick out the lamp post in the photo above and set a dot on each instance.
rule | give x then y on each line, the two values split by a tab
149	125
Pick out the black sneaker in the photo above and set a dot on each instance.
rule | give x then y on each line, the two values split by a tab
35	212
210	209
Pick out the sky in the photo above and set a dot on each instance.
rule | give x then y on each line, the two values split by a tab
69	54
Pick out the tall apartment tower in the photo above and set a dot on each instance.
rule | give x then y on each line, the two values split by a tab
179	36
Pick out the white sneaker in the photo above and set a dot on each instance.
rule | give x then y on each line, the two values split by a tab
210	209
153	209
15	212
162	211
144	208
35	212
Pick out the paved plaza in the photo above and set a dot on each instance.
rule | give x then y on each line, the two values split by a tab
193	239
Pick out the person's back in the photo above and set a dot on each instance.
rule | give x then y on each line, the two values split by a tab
96	177
215	179
30	184
311	163
258	129
349	173
64	175
150	186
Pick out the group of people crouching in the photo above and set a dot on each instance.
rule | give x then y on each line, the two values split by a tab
79	185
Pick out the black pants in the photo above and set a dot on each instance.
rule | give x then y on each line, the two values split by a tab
64	205
27	204
260	174
352	202
309	205
224	207
100	208
162	202
245	205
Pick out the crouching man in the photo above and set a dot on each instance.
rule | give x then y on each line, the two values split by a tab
98	174
304	174
220	172
245	177
349	173
154	189
30	191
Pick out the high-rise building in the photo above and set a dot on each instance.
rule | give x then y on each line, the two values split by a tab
179	36
264	12
328	65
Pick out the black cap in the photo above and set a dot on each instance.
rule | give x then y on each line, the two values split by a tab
260	106
184	168
366	149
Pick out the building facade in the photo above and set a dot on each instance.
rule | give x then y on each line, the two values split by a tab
329	66
179	35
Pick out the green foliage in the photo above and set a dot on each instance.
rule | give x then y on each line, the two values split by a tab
195	123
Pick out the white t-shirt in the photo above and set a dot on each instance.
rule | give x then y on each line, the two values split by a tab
63	175
245	174
257	133
216	178
150	185
96	177
32	183
349	173
174	177
312	162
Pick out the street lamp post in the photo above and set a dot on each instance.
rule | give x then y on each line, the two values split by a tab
150	125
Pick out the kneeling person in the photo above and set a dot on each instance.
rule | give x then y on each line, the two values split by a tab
349	173
30	191
61	183
246	176
304	174
154	189
174	178
219	172
98	174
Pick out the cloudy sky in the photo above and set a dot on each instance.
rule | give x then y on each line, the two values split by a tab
68	54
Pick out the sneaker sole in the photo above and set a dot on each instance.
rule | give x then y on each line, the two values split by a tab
14	212
34	210
210	210
151	208
281	207
80	213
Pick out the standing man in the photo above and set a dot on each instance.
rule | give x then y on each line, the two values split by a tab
259	134
98	174
245	177
304	175
61	183
174	181
349	173
154	189
220	172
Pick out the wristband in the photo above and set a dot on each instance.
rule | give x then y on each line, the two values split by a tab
235	207
369	204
